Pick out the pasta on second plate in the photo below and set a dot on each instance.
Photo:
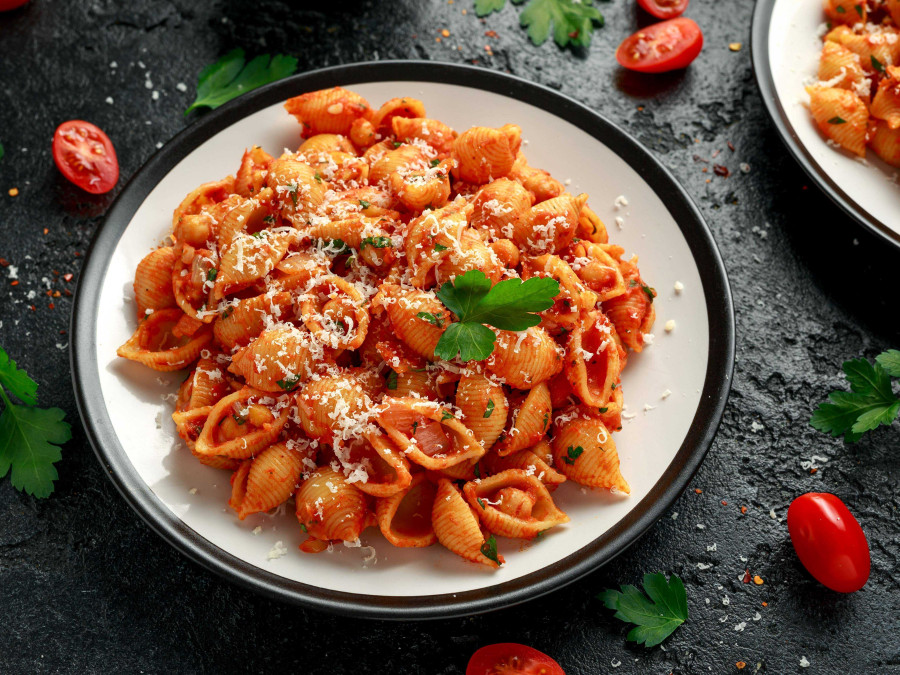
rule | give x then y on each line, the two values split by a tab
302	294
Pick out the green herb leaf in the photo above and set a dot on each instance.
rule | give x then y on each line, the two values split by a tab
376	242
480	503
231	76
335	246
837	120
240	419
289	383
876	64
572	454
440	247
318	177
869	403
472	341
364	204
433	319
890	362
839	9
392	380
269	219
397	144
211	275
489	409
304	528
655	617
477	470
435	162
16	380
489	549
858	9
651	292
572	21
485	7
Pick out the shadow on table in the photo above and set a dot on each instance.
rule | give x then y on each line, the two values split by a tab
857	269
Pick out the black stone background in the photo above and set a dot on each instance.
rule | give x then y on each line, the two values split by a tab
85	586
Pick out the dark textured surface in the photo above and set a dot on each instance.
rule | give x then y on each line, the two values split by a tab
87	587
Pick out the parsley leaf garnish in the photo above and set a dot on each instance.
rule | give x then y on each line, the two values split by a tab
651	292
364	204
288	383
509	305
869	403
29	437
392	380
572	454
655	618
211	275
489	549
489	409
876	64
376	242
231	76
440	247
433	319
837	120
572	20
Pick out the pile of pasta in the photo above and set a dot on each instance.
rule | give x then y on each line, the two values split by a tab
301	292
856	101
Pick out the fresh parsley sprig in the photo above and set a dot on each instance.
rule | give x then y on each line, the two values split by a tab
231	76
29	437
869	403
509	305
572	20
655	617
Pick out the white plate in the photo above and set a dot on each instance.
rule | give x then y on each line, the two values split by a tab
126	407
787	43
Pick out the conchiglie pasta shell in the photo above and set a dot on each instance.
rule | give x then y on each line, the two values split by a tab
484	405
203	196
428	434
886	143
631	313
330	508
328	111
405	517
847	12
404	158
590	227
456	526
153	280
208	382
405	107
433	132
154	345
191	283
573	297
253	438
362	133
387	471
484	154
298	192
324	143
249	259
475	256
246	319
537	181
840	67
529	421
329	404
828	105
285	353
514	504
597	465
266	481
886	104
497	205
425	188
592	359
251	175
532	461
524	362
417	333
596	268
189	424
546	227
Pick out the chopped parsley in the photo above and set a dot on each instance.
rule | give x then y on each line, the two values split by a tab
651	292
481	503
318	177
572	454
837	120
489	409
435	161
211	275
446	416
655	615
269	219
440	247
433	319
489	549
877	65
288	383
364	204
376	242
392	380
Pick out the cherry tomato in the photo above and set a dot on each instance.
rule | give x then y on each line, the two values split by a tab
11	4
510	658
829	542
664	46
664	9
86	156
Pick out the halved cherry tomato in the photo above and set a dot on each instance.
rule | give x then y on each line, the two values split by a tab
510	658
664	46
664	9
829	542
86	156
11	4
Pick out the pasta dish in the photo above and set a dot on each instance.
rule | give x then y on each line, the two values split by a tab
395	326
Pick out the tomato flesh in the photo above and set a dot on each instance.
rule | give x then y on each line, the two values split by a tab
664	9
661	47
510	658
829	541
6	5
85	156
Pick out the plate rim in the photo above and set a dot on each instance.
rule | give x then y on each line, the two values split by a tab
762	71
717	381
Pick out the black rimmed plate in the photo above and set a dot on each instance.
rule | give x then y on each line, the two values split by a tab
675	390
786	43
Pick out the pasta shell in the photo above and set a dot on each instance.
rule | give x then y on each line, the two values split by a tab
404	308
242	424
484	406
886	143
537	181
406	158
456	525
266	481
547	227
324	143
429	435
847	12
189	424
251	175
528	422
525	359
514	503
632	313
362	133
596	268
418	189
333	311
279	359
381	469
299	189
433	132
883	45
397	107
246	319
153	280
331	509
474	256
841	115
573	297
484	154
405	517
208	381
249	259
592	360
328	111
886	104
584	451
533	461
839	67
154	345
192	282
590	227
334	407
204	196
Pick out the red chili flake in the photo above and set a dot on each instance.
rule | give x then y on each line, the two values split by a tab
490	33
4	262
62	331
740	665
68	276
747	576
813	470
574	34
765	604
731	146
716	153
56	294
77	254
724	503
33	308
46	230
56	273
52	306
743	509
698	491
48	293
721	170
705	170
67	292
640	108
15	283
698	158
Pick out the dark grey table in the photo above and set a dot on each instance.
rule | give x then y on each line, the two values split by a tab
85	586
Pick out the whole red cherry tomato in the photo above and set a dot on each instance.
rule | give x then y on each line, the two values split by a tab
664	46
86	156
829	542
11	4
510	658
664	9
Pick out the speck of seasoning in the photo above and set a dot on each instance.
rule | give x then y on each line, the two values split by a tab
745	168
698	491
46	230
52	306
68	276
735	46
731	146
813	470
490	33
670	325
465	12
679	287
724	503
758	580
765	604
13	192
445	33
14	283
721	170
437	39
743	509
32	308
4	262
740	665
746	578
